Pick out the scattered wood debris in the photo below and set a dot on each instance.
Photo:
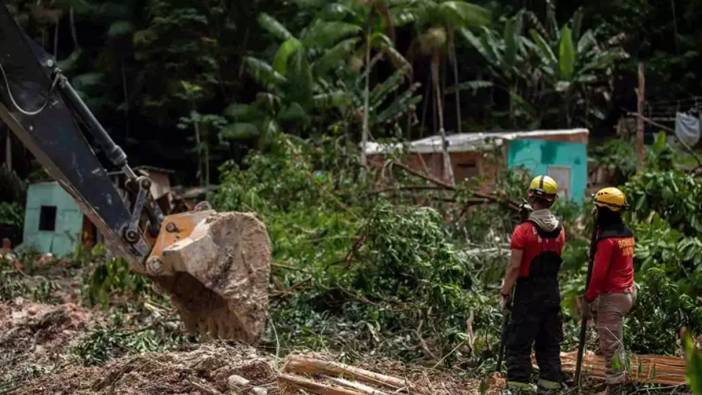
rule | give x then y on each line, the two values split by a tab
649	369
332	378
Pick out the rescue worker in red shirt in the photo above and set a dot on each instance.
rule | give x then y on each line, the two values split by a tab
611	293
536	319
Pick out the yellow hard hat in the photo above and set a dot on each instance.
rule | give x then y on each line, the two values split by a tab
612	198
544	187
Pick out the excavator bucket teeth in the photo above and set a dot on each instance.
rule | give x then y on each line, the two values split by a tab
215	267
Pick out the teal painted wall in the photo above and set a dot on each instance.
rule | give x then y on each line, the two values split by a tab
69	220
552	158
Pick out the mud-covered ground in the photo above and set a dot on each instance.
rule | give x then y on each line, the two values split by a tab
42	329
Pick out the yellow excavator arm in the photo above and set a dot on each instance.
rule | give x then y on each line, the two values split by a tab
214	266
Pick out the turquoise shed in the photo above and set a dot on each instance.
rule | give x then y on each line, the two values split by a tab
53	221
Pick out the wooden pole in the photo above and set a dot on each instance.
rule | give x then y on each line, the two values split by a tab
640	104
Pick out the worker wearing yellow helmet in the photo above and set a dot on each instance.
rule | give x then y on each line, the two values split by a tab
532	278
611	293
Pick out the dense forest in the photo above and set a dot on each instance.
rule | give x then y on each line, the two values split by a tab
268	103
219	77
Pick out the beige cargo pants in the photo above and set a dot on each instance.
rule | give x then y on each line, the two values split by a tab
610	310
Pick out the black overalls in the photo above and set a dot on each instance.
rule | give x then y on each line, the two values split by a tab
536	316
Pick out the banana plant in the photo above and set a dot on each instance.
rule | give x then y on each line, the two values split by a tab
319	70
372	40
553	77
294	81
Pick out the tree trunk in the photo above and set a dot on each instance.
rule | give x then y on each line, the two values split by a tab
366	104
206	148
8	150
454	61
448	169
640	104
198	144
74	32
427	99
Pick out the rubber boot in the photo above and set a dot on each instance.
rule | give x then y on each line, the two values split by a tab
519	388
548	387
612	389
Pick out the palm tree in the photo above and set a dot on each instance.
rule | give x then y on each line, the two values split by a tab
436	23
372	41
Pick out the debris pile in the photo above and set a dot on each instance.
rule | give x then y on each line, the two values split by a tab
213	368
313	374
651	369
34	338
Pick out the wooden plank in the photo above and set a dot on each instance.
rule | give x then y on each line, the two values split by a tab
365	389
307	365
291	380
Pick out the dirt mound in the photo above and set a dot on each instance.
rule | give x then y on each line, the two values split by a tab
206	370
34	337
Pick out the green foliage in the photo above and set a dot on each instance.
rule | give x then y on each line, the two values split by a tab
11	285
673	194
11	214
666	217
111	279
616	154
694	366
106	342
552	77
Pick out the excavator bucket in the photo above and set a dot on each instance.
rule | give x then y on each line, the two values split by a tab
216	268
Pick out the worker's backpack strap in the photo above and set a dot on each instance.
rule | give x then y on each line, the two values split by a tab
615	231
546	265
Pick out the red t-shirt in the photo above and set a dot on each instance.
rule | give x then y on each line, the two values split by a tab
613	269
527	239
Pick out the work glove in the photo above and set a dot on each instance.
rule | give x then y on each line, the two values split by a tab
584	308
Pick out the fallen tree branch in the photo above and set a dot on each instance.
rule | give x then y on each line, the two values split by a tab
305	365
427	177
314	387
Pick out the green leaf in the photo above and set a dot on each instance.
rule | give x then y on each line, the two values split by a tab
326	34
401	105
403	17
262	72
459	14
381	91
470	85
272	26
292	113
566	54
335	56
512	34
240	131
242	112
545	51
120	29
331	100
694	367
287	48
398	60
299	84
71	61
87	80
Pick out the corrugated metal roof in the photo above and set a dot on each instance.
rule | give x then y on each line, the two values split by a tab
466	142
